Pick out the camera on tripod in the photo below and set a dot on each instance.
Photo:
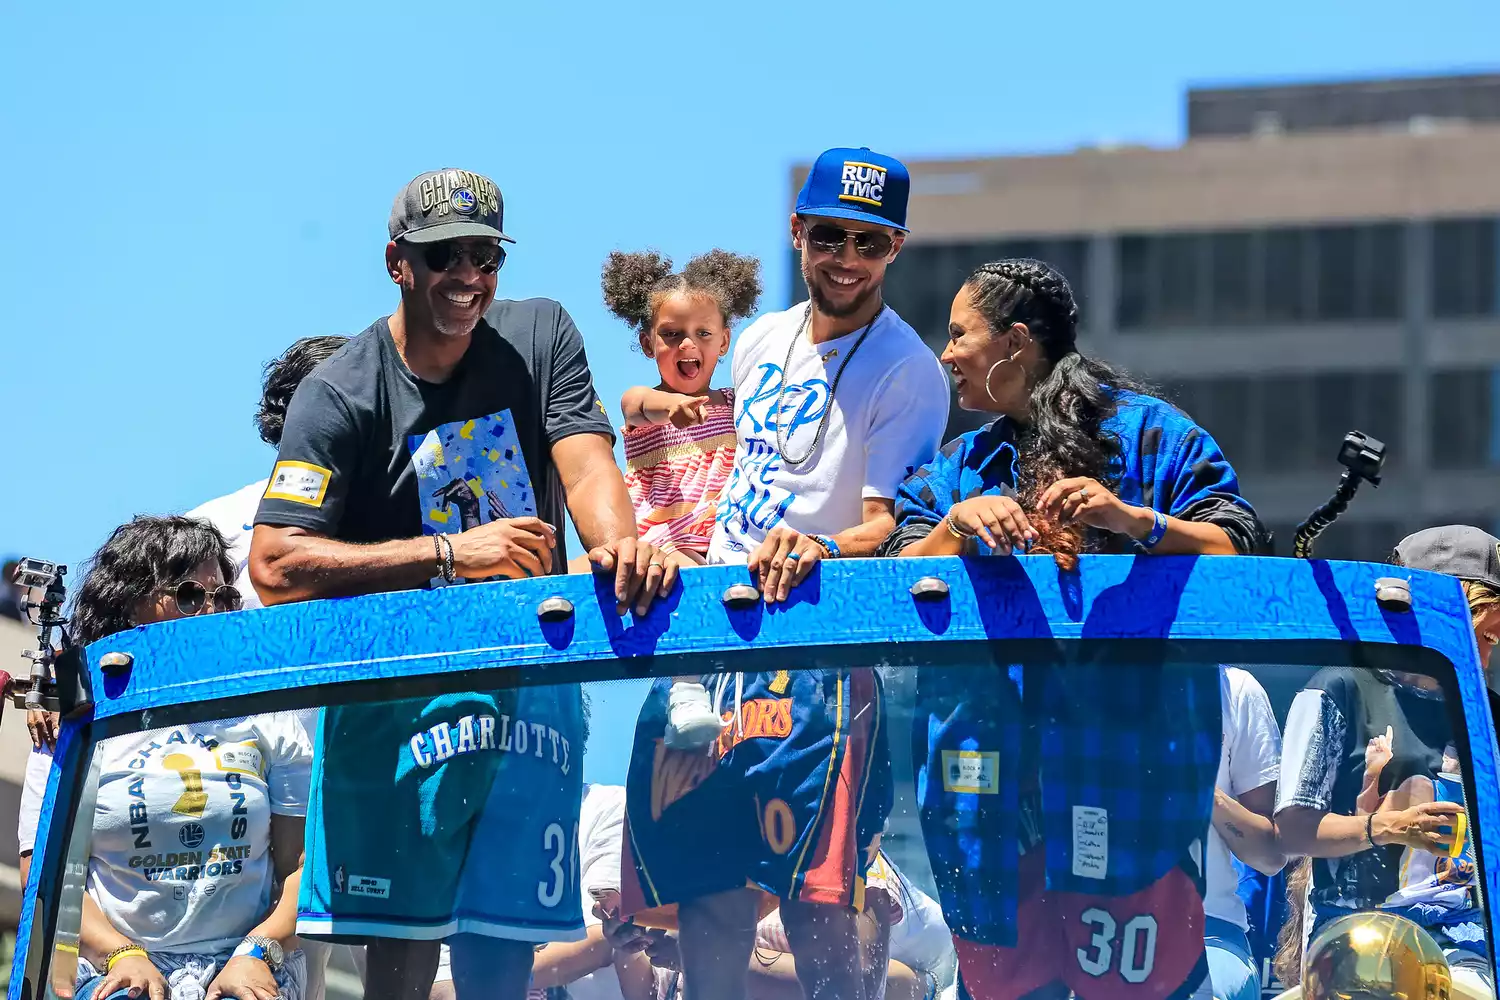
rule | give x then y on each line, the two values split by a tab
1362	458
37	690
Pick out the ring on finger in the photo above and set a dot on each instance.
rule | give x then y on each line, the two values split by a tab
1084	493
793	556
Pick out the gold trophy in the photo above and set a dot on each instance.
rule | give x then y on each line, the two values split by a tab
1375	956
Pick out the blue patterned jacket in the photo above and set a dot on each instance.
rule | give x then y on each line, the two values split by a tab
1165	461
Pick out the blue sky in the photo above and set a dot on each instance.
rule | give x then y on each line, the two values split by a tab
194	186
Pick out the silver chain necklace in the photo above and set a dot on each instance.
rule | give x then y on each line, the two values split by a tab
786	366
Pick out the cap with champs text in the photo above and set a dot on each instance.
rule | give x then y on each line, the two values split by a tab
1453	550
857	184
446	205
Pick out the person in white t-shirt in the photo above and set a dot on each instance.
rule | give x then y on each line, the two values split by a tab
234	513
1244	800
196	852
837	400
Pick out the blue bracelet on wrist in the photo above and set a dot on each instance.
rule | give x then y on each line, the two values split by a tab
1158	530
829	545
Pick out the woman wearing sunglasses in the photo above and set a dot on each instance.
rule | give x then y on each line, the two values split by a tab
198	829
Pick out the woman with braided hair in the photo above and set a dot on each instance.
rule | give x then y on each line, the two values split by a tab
1078	458
1023	764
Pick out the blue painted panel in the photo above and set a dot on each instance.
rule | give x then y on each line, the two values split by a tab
856	602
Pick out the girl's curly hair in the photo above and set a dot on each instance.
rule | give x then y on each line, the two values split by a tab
635	284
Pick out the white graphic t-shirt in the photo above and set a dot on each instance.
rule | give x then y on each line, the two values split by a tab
1249	758
885	421
181	856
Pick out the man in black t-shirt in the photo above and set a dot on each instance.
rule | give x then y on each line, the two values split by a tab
440	446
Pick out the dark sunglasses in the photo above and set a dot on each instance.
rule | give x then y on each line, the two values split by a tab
488	258
828	239
191	596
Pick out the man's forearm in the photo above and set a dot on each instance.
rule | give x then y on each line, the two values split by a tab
1251	836
866	538
292	568
563	962
1321	835
600	506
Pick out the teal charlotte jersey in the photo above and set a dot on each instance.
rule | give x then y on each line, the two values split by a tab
477	796
456	814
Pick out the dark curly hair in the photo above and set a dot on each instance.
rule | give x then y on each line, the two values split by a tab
282	377
1070	403
141	557
635	284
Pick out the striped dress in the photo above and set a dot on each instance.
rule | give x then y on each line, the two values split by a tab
675	476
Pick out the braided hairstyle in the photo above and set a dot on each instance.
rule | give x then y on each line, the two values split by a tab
1069	404
636	284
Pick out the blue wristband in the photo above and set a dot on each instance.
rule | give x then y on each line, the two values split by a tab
1158	530
828	544
249	949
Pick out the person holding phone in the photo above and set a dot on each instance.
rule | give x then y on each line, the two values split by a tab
1373	859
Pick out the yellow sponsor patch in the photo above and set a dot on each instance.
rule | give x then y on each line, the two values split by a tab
299	482
974	771
241	758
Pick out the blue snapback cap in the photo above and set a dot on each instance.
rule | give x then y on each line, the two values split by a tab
857	184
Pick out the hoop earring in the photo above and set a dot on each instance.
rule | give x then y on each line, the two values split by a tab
991	373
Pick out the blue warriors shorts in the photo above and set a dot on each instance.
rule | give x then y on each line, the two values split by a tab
1064	810
791	799
455	814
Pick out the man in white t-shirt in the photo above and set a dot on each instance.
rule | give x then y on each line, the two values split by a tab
837	401
1244	799
234	513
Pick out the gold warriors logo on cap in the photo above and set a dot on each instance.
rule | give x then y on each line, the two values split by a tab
863	182
449	191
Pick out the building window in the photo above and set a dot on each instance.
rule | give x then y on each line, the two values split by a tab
1248	277
1294	423
1462	429
1465	259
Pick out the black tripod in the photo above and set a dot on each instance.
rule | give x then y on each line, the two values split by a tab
1362	458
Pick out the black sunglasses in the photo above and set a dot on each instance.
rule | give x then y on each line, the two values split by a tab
829	239
487	257
190	597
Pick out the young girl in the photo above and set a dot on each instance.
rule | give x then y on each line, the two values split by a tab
679	436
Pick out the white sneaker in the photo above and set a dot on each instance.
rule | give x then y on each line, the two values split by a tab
691	722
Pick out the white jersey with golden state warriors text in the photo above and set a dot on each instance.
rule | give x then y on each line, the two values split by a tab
181	857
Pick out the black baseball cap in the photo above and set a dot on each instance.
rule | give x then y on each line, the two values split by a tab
446	205
1453	550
